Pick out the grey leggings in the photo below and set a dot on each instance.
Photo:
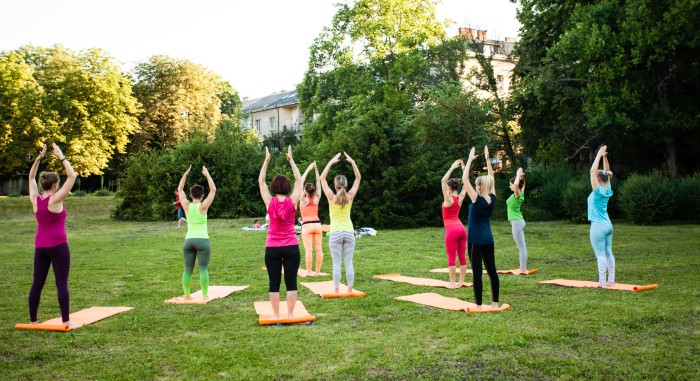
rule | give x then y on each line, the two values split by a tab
519	238
342	245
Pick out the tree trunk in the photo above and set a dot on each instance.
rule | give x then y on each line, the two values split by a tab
670	155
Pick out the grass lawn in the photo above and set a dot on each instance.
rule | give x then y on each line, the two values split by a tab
549	333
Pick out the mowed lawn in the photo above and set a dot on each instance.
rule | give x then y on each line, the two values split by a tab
550	332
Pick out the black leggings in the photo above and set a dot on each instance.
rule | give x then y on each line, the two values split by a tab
478	253
278	257
44	257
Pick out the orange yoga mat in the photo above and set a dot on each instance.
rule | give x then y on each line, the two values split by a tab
326	290
215	292
82	317
301	273
418	281
454	304
514	271
587	284
264	311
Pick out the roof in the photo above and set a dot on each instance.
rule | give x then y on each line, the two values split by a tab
281	99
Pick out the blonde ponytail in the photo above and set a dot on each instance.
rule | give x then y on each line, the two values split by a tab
341	195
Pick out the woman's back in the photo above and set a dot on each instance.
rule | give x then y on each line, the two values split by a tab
282	218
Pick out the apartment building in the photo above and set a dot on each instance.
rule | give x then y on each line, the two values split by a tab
275	112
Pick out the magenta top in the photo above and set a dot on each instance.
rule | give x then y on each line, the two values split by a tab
450	216
282	218
52	226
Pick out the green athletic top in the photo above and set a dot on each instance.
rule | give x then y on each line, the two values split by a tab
513	205
196	223
340	218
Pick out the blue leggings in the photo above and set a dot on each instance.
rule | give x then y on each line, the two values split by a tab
601	240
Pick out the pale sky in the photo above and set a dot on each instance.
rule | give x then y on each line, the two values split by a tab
259	46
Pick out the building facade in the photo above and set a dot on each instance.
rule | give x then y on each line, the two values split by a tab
499	52
276	112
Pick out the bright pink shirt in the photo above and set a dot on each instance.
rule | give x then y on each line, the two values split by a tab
282	219
52	226
450	216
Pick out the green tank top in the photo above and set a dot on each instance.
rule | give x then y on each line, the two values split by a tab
196	223
340	218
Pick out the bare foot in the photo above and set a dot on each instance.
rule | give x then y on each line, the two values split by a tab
290	316
33	322
205	298
601	285
494	305
349	290
522	272
610	284
452	285
337	291
275	317
183	298
479	307
71	325
460	284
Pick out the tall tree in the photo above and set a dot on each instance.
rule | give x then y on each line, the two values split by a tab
82	101
626	73
180	99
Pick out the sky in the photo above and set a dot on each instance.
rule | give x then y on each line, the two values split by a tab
259	46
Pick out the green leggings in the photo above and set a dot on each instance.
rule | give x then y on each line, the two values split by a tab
196	249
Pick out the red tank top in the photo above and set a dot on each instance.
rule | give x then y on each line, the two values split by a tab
52	226
450	216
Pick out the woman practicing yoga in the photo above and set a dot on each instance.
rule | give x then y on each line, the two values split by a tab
197	246
342	239
601	227
311	228
515	216
282	245
50	243
455	233
480	238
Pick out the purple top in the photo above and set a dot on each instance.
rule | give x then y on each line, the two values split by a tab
52	226
282	219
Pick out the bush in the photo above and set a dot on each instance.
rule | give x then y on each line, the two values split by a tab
647	199
78	193
575	199
148	181
545	188
687	191
103	193
13	194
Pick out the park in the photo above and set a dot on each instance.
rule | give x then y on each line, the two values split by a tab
411	150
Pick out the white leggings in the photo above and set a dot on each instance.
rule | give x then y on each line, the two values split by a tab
518	227
342	246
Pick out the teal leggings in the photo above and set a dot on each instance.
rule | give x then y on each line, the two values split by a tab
198	249
601	240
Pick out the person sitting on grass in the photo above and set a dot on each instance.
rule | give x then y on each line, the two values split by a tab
256	224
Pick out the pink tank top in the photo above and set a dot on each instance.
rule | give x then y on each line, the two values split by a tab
52	226
450	216
282	219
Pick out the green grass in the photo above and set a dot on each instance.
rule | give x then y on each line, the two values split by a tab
549	333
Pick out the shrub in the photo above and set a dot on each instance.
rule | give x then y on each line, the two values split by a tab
103	193
687	198
78	193
574	199
647	199
545	188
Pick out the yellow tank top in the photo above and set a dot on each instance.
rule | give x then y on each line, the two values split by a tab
340	218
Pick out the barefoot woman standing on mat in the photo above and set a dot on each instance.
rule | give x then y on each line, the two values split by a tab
311	228
50	243
515	216
282	245
342	239
455	233
480	238
197	246
601	226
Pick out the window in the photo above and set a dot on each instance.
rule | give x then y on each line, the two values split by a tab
273	123
257	125
499	82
